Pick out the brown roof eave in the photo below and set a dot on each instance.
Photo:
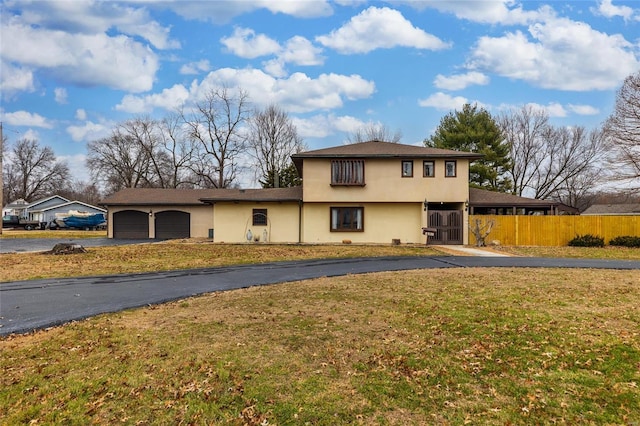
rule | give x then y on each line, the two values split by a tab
249	200
464	156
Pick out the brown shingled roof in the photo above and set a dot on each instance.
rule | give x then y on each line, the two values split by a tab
265	194
186	197
613	209
483	198
377	149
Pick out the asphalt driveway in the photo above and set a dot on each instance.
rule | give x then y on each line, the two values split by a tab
37	304
25	245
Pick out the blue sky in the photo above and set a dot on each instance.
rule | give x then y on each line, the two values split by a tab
70	70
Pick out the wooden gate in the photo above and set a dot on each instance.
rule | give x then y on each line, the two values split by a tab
448	226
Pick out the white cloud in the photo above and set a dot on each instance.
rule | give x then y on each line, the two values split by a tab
25	118
562	54
30	134
169	99
89	131
506	12
553	109
246	44
77	166
94	17
443	101
195	67
300	51
86	60
323	125
81	114
222	12
378	28
583	109
608	10
297	93
317	126
15	79
61	96
461	81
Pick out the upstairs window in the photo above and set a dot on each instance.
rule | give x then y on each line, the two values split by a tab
259	217
429	169
407	168
450	169
347	172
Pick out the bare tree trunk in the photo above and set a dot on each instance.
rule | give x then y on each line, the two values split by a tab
481	230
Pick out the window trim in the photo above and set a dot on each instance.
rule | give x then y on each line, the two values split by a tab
348	167
455	168
353	209
433	168
402	173
260	213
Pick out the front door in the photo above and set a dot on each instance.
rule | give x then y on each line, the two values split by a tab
448	226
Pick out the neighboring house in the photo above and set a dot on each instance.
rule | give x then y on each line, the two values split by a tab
48	214
613	209
482	202
371	192
16	208
44	210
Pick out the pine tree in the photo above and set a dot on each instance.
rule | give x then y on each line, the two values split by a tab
474	130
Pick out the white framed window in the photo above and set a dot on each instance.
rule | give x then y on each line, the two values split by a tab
347	219
428	168
407	168
450	168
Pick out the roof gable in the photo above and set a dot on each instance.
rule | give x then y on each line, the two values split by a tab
49	201
71	204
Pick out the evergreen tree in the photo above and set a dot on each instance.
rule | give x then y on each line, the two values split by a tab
287	177
474	130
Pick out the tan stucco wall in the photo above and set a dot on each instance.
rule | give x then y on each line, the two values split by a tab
201	218
232	221
383	222
384	183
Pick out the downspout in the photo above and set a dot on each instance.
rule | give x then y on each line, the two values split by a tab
299	221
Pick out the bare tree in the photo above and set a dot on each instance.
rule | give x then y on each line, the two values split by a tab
522	130
216	128
85	192
178	153
374	132
273	139
623	128
118	161
552	162
32	171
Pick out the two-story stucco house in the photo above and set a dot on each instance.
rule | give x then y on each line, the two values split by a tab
371	192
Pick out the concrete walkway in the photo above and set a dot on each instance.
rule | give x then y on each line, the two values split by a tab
471	251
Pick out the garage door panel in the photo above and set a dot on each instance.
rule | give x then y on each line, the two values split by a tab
172	224
130	224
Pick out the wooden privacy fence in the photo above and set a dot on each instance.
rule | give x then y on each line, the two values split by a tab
555	230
